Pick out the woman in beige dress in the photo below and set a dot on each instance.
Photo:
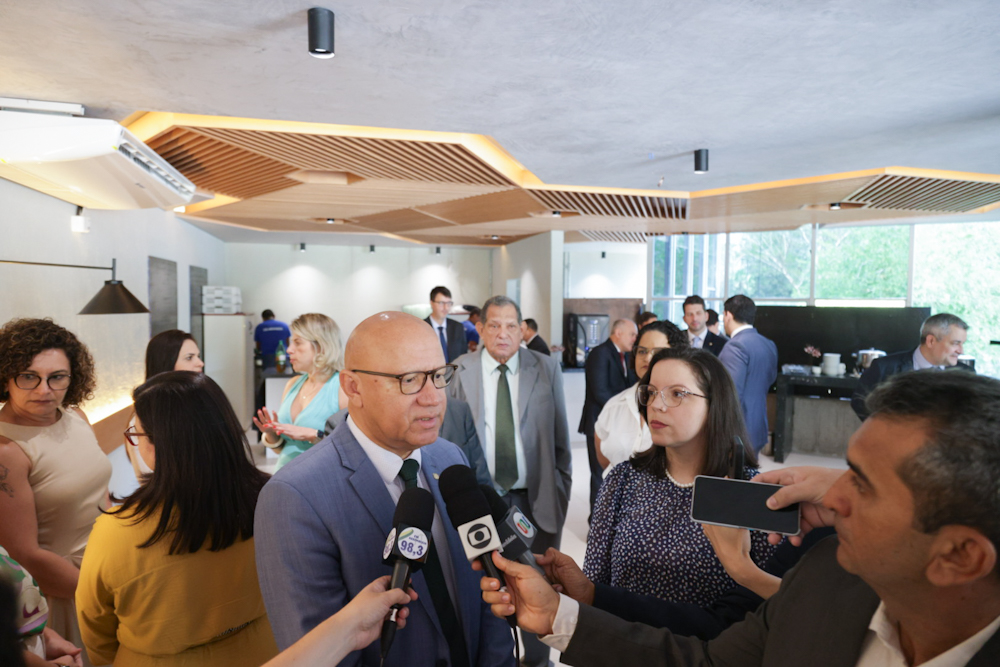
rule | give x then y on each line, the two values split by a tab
53	475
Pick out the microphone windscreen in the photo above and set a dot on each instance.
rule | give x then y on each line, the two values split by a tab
462	496
498	508
415	508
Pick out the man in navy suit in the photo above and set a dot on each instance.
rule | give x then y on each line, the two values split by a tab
752	361
322	520
696	318
450	334
609	372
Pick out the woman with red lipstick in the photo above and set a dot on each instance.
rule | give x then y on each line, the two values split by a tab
53	475
309	399
642	537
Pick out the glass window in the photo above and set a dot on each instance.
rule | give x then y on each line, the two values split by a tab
862	263
956	269
773	265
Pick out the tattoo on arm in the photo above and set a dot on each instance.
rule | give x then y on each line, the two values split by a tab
4	486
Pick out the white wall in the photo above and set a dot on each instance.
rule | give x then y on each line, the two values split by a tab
35	227
537	263
621	274
349	283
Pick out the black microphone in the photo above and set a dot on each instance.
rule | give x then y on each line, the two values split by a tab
406	548
470	514
515	531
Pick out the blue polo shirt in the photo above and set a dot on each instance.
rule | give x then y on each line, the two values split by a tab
471	335
269	333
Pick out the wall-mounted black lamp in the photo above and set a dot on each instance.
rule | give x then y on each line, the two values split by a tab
112	299
701	161
320	32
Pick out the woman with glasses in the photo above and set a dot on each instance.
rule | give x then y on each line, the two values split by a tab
620	432
169	576
642	537
172	350
53	475
309	399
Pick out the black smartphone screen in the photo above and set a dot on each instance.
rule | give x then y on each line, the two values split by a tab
741	504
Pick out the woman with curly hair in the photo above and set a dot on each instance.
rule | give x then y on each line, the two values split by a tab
309	399
53	475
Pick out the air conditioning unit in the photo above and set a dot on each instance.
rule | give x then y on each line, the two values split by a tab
90	162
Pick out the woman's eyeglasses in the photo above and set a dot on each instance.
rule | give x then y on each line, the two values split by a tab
29	381
132	436
672	396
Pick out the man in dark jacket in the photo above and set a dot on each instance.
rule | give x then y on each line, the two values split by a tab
696	319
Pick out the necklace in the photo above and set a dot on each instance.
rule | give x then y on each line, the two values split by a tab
676	483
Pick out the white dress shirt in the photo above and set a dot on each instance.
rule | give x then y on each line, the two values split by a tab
441	327
739	329
388	465
491	378
880	648
621	429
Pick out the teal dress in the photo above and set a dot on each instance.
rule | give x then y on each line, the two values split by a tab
314	415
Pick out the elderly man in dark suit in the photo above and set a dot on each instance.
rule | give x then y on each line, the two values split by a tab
752	361
322	520
941	339
609	371
911	578
451	334
517	401
696	319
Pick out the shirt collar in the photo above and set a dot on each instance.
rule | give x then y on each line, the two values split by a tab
887	631
741	328
490	364
387	463
438	324
692	335
920	361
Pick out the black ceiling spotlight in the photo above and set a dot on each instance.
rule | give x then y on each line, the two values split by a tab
302	247
835	206
112	299
437	250
701	161
371	248
320	32
604	255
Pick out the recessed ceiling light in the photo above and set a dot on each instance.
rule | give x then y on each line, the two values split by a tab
835	206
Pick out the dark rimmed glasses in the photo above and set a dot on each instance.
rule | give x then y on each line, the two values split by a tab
131	435
29	381
672	396
412	382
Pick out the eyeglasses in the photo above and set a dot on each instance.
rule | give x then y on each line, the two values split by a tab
494	327
131	434
28	381
411	383
648	351
672	396
445	303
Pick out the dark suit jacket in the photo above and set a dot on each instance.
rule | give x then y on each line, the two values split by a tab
819	617
455	332
752	361
538	345
605	378
714	343
319	529
879	371
458	427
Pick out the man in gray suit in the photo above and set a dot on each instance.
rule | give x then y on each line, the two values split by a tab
516	398
322	520
911	578
752	361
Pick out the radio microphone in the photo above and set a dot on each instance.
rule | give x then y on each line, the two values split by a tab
470	514
406	548
515	531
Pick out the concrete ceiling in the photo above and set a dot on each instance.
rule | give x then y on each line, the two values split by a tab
581	92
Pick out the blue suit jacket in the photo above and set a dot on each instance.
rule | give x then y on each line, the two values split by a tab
752	361
320	526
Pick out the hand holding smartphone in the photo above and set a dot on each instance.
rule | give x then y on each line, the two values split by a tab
741	504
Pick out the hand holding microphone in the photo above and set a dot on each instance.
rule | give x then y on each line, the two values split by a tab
516	533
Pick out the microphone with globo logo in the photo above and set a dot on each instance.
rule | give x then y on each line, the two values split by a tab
515	531
470	514
406	548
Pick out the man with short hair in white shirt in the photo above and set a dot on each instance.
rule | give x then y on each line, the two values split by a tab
911	578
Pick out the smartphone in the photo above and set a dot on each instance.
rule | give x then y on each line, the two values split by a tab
741	504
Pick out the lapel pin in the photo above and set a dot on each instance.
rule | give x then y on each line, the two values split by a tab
437	476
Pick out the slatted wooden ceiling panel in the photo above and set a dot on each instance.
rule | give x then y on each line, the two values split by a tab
220	167
616	237
926	194
368	157
612	204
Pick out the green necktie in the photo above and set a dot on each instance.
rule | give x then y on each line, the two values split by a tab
506	452
434	577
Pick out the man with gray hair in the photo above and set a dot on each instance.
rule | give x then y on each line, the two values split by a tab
609	372
517	402
941	339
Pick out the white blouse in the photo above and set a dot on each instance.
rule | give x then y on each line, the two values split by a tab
621	429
